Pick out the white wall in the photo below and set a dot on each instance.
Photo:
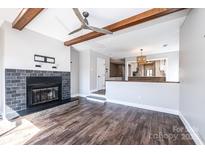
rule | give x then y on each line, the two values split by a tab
74	72
155	96
20	47
84	72
173	64
192	72
1	69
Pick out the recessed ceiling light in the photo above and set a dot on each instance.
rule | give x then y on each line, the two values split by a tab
165	45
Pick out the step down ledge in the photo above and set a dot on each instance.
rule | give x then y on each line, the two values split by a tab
96	99
97	95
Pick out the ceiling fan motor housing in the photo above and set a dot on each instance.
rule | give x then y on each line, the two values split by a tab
85	14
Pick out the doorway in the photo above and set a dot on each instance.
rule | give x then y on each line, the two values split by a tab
100	73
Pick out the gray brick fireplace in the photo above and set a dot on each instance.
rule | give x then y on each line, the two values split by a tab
15	86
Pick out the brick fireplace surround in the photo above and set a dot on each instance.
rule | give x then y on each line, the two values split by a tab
15	86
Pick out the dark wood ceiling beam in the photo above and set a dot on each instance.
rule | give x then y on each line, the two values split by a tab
128	22
25	17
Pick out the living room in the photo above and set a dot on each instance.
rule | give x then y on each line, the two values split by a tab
130	83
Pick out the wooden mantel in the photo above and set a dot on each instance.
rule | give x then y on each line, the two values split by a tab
128	22
25	17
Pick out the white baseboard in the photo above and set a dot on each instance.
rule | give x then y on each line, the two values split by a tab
79	95
82	95
193	134
74	95
147	107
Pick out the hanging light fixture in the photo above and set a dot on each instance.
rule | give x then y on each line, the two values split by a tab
141	59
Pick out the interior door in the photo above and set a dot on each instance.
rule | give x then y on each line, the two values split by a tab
100	73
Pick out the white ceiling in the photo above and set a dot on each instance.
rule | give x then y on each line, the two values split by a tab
151	39
57	23
151	36
8	14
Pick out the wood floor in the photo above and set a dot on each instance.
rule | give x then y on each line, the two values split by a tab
100	92
96	123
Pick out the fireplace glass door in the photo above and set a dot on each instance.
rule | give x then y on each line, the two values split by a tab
43	95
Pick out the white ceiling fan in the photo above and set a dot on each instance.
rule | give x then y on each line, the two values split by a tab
85	24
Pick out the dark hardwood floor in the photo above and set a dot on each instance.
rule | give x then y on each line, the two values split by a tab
96	123
100	92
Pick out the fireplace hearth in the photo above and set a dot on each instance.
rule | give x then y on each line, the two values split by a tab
41	90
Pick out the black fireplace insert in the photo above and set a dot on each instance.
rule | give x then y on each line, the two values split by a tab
41	90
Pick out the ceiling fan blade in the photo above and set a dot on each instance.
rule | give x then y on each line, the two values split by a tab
80	17
99	30
75	31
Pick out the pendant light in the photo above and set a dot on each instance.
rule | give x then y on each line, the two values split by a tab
141	59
